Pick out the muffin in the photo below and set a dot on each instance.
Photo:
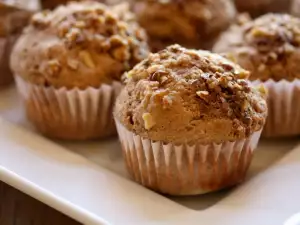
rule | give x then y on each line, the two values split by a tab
51	4
188	121
193	23
68	65
269	48
295	8
12	21
260	7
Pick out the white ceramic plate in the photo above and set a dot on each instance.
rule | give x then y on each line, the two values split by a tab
88	182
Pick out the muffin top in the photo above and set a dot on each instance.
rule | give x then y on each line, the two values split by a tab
260	7
79	45
295	8
50	4
269	47
180	95
14	16
192	23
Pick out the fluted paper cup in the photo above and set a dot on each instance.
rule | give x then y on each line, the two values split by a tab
283	108
70	114
186	169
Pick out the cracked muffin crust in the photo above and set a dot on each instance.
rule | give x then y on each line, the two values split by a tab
180	95
269	47
78	45
192	23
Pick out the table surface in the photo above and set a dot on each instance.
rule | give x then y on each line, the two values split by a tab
17	208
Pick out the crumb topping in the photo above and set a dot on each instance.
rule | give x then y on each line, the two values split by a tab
95	24
89	39
208	85
275	34
267	46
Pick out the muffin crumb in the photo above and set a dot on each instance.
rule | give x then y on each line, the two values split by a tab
87	59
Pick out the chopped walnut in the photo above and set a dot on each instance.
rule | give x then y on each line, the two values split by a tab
121	53
148	120
217	83
73	64
202	94
87	59
271	33
167	100
262	89
73	37
41	20
53	68
104	29
262	67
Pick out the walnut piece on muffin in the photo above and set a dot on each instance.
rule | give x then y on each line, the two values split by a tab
191	23
78	45
267	46
260	7
180	95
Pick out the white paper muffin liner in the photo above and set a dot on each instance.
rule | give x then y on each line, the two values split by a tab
186	169
70	114
283	108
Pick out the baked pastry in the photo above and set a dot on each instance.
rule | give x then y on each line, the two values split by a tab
68	65
193	23
269	48
188	121
295	8
14	15
260	7
51	4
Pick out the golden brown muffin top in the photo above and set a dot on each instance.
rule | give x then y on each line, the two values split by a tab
79	45
260	7
295	8
191	23
267	46
14	16
182	95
